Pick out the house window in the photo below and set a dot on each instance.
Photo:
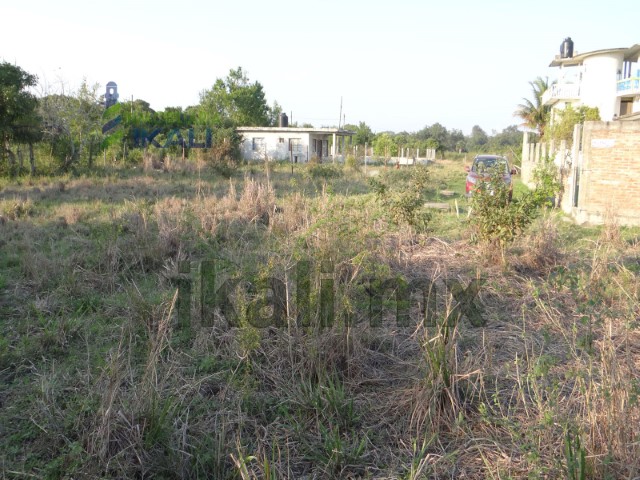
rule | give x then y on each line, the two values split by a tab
257	144
281	140
295	145
325	147
315	145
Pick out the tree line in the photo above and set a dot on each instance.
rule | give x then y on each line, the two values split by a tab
68	129
438	138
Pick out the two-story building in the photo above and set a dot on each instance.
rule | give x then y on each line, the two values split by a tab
608	79
599	167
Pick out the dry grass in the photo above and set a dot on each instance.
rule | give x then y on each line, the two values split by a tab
102	381
540	250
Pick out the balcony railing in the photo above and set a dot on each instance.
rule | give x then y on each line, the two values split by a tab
629	86
561	91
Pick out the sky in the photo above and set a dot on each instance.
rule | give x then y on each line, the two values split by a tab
397	65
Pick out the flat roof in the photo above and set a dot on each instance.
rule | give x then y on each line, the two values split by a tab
324	131
630	55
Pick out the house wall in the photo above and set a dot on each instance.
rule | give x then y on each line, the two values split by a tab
599	171
599	83
610	173
273	148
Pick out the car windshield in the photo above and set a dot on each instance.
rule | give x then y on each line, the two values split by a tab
484	164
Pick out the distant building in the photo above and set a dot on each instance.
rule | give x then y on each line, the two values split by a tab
111	95
608	79
291	143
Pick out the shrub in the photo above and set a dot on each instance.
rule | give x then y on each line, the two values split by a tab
404	205
547	183
323	172
134	156
224	155
562	128
351	162
496	219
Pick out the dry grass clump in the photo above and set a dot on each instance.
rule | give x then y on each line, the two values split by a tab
152	160
205	209
157	160
611	230
257	201
255	205
182	165
72	214
294	215
17	209
172	216
127	434
539	250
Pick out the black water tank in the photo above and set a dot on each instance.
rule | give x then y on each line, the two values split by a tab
566	49
283	120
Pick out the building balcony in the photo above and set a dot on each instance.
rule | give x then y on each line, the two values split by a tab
629	86
561	91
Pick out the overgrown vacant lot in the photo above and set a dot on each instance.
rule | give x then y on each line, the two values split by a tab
103	374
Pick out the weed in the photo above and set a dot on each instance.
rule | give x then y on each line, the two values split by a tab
575	456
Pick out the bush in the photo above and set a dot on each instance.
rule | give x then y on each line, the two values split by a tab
547	183
404	204
351	162
224	155
134	156
562	128
497	220
323	172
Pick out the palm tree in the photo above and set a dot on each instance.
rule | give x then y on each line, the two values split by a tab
534	113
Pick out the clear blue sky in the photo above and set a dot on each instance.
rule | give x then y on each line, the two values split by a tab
399	65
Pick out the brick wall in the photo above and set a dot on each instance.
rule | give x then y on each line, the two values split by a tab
610	173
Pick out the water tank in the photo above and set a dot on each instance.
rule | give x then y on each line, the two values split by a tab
566	49
283	120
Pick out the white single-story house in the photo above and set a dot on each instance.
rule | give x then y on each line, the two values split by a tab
292	143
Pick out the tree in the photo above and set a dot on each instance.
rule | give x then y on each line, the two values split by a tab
456	140
509	138
18	119
72	125
533	112
433	144
437	137
363	133
478	138
440	134
237	100
385	146
274	114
